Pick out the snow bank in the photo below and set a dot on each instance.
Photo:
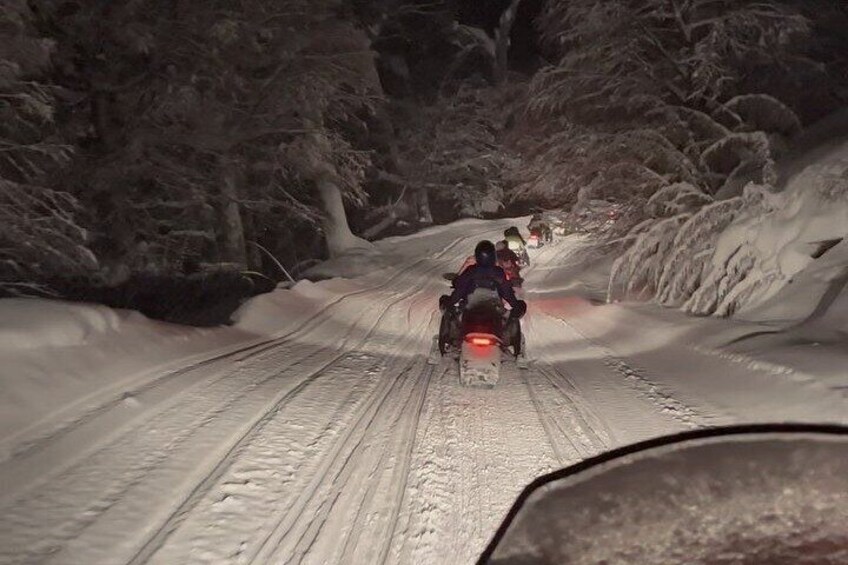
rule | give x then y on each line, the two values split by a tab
798	229
56	357
274	312
62	324
54	354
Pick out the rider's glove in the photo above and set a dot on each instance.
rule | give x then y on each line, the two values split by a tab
519	310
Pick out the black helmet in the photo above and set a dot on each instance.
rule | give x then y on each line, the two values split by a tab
485	254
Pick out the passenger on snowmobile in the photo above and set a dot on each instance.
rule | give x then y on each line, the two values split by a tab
470	261
508	261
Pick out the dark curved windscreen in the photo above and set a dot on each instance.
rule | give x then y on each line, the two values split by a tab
742	495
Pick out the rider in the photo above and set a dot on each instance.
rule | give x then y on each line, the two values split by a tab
513	238
507	260
484	271
515	242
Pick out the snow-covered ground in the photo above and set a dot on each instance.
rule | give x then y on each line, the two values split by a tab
313	430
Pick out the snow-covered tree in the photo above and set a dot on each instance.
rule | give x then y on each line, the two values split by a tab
455	148
40	236
659	81
649	102
219	121
620	57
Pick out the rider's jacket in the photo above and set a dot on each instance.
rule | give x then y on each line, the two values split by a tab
478	276
509	262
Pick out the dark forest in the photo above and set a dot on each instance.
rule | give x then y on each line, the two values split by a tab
174	141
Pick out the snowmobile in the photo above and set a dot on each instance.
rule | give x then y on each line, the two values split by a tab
761	493
480	333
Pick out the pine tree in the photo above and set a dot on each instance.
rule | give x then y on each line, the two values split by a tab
40	235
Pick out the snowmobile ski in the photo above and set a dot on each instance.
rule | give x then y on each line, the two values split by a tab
521	359
435	356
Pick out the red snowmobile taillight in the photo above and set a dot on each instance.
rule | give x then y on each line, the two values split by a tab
483	341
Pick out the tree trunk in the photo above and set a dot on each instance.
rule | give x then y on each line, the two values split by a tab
254	257
336	229
233	245
502	34
422	205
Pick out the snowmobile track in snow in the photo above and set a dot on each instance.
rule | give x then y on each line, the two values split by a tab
667	403
567	427
304	535
154	457
335	441
564	456
406	446
224	464
590	428
88	422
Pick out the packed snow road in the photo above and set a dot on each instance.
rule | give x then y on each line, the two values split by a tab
335	442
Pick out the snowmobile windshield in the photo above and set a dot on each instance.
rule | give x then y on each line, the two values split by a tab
746	494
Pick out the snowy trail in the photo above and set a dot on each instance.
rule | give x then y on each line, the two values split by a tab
335	442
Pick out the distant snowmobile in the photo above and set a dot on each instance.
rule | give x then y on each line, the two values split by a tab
539	228
763	493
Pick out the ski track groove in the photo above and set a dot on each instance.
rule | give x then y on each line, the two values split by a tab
63	427
435	471
646	387
305	541
407	426
154	458
562	455
338	485
582	437
404	452
173	521
598	434
336	455
591	441
405	438
401	493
